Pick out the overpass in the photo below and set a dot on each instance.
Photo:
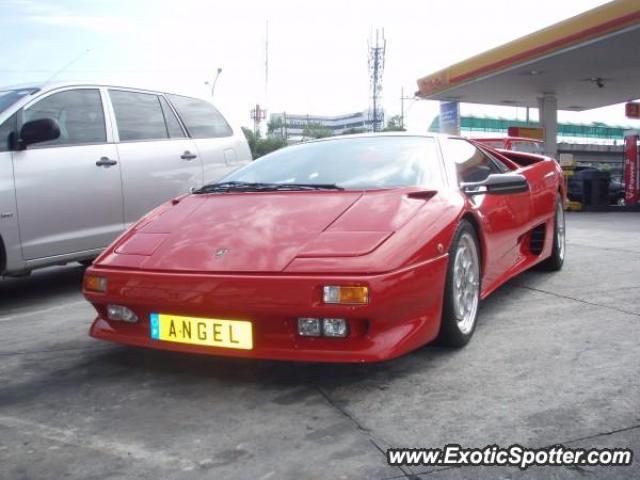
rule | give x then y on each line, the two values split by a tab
581	144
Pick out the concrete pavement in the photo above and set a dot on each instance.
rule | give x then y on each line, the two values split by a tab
555	359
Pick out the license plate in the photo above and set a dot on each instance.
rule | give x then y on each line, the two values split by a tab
211	332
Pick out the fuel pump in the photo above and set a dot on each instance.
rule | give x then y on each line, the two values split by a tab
631	168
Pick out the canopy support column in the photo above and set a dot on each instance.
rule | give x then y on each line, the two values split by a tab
548	107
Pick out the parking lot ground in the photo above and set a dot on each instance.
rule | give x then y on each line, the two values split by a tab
555	360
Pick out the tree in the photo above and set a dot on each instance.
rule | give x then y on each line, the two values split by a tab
395	124
268	145
251	139
274	125
351	131
316	130
261	146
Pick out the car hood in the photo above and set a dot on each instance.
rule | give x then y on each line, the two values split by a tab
261	232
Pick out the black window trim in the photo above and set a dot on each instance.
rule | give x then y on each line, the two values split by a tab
183	127
504	168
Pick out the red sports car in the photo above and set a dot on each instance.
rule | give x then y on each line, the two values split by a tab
351	249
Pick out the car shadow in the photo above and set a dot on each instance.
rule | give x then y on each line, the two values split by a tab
40	287
104	364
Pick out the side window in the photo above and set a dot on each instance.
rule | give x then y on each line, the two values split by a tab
78	112
471	163
138	115
173	126
9	126
201	118
527	147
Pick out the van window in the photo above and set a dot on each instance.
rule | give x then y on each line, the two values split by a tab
201	118
138	115
173	126
78	112
7	127
471	163
9	97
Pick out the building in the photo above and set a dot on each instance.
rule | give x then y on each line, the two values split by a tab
296	127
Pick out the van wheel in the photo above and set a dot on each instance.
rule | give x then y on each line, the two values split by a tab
462	289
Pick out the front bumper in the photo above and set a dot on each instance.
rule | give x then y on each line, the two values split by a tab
403	313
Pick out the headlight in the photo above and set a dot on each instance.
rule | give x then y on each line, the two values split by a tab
119	312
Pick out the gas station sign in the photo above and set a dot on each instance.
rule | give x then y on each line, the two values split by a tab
632	109
631	186
450	118
526	132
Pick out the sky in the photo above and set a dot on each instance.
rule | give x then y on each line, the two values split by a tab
317	50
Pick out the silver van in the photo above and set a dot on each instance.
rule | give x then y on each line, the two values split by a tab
79	163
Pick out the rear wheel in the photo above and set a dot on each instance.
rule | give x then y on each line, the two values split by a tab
462	289
556	260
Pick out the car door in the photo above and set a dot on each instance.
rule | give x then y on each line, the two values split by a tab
504	218
222	150
68	190
8	211
159	161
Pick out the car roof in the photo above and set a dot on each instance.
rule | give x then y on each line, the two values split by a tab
49	86
518	139
382	134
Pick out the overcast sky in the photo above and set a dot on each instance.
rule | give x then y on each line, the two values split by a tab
317	50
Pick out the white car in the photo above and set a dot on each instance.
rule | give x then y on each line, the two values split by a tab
79	163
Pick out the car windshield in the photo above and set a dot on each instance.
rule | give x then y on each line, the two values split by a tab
9	97
348	163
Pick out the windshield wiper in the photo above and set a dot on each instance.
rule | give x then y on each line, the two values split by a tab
306	186
225	187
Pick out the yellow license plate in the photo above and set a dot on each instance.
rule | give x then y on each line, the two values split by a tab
211	332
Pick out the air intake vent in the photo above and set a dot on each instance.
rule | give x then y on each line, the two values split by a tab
536	244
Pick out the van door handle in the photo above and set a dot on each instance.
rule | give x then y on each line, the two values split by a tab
187	155
106	162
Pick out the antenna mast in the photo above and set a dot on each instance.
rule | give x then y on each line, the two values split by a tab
377	47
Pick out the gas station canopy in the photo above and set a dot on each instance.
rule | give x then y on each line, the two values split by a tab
587	61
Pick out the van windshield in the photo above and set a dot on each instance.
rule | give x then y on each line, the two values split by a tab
9	97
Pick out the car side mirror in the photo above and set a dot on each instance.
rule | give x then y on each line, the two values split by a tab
36	131
497	183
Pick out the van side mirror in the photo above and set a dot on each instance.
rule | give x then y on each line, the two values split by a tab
497	183
36	131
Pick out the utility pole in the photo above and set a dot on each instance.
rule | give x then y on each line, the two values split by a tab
286	134
402	99
402	107
266	65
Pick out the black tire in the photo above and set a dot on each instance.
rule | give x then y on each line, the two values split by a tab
451	333
556	260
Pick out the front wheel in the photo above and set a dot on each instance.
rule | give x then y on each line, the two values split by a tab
462	289
556	259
